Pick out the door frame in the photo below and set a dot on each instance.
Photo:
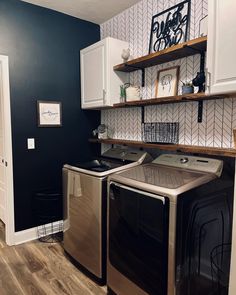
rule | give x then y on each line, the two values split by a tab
9	214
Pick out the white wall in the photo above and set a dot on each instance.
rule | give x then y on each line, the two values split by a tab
219	116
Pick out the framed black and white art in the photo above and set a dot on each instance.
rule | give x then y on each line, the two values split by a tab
167	82
49	113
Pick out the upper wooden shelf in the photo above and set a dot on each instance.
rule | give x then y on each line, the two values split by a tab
172	99
171	147
172	53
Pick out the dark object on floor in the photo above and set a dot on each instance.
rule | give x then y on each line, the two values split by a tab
51	233
48	215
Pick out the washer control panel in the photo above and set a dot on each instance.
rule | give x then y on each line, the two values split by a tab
125	154
201	164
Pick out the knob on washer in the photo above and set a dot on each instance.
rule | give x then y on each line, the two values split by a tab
184	160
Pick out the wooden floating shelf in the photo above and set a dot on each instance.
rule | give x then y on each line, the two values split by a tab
171	147
182	50
172	53
171	99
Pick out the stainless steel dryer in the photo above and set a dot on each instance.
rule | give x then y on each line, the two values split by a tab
85	199
164	221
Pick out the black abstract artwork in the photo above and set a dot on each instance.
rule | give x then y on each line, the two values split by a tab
170	27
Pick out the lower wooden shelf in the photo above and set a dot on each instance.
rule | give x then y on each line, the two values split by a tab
171	147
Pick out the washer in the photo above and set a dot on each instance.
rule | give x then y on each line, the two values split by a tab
165	219
85	199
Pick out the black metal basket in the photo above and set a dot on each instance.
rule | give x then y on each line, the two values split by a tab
50	233
160	132
48	215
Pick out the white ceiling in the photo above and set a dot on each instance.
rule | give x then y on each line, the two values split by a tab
96	11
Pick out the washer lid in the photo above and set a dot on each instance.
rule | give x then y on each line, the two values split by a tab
162	179
113	160
101	164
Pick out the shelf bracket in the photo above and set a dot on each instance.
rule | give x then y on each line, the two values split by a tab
142	114
143	77
200	111
202	53
141	69
200	75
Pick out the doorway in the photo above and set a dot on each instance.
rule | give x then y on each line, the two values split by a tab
6	167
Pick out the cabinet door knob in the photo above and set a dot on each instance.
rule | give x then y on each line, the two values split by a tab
208	79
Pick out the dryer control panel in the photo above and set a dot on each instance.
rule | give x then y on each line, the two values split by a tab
207	165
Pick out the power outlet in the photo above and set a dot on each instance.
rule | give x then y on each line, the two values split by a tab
30	143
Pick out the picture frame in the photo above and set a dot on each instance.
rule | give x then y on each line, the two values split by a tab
49	113
170	27
167	82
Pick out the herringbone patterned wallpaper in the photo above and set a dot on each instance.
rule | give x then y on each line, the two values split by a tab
219	116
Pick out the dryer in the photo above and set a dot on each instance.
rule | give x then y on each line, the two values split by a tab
165	219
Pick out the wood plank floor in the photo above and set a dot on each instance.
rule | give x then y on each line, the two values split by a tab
37	268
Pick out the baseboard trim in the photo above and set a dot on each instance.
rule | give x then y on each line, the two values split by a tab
31	234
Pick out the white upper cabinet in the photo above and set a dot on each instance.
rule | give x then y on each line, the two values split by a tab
100	85
221	46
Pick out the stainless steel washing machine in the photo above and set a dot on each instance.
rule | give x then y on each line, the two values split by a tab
164	221
85	210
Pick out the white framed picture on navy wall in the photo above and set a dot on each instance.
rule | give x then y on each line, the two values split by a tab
49	113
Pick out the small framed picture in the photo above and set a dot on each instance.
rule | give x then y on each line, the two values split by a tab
49	113
167	82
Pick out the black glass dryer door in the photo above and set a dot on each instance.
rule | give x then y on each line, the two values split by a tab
138	237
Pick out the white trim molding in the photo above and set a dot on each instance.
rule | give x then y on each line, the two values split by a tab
9	220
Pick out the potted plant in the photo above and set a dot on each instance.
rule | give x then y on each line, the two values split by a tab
187	87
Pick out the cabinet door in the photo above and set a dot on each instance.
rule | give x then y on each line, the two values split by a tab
221	54
93	77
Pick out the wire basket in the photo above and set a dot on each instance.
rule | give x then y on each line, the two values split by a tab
220	268
48	215
50	233
160	132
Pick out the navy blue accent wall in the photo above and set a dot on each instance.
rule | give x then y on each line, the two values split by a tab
43	48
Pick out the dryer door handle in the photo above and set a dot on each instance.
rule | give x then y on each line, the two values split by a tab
162	199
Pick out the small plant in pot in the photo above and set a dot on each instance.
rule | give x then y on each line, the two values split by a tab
187	88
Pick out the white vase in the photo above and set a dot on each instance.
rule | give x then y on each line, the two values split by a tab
125	54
